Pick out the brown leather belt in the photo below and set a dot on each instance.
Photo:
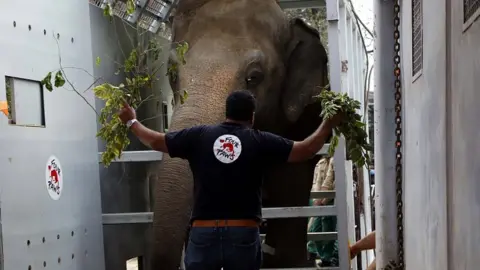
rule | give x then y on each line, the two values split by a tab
226	223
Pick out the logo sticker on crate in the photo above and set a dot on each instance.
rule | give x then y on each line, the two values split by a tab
54	177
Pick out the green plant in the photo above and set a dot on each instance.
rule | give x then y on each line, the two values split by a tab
352	127
140	68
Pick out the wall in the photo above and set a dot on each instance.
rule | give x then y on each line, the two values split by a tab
463	144
425	141
40	232
125	187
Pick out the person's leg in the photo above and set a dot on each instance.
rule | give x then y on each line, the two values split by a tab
329	250
204	249
241	248
313	246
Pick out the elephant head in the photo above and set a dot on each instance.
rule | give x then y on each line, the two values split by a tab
235	44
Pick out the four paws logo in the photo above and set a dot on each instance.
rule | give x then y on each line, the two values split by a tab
227	148
54	178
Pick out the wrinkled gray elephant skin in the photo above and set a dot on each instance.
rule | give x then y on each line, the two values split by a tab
243	44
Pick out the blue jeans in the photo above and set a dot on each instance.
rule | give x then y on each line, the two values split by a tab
233	248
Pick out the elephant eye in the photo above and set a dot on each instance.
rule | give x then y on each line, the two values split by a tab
254	78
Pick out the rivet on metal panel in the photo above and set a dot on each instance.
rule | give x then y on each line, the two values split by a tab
29	27
14	24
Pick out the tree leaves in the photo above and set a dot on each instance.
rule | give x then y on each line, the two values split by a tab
352	128
139	72
59	80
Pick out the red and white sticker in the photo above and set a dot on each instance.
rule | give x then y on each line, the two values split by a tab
227	148
54	177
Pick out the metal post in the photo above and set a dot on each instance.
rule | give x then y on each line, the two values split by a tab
386	224
335	31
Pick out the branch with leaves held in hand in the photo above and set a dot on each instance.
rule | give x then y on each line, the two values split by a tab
140	68
352	128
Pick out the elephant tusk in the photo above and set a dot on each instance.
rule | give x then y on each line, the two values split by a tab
267	249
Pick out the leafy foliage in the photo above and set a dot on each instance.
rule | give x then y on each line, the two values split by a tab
140	68
352	128
58	81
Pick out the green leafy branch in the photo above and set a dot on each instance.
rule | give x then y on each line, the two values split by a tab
140	68
352	128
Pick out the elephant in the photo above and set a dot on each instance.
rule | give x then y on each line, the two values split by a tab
242	44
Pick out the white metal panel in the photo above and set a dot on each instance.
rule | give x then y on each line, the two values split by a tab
38	231
335	13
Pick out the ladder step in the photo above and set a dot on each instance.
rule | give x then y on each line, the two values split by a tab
138	156
268	213
324	149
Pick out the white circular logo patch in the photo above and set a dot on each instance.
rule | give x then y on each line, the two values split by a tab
227	148
54	177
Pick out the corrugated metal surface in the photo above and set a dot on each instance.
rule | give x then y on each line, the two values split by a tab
469	8
417	36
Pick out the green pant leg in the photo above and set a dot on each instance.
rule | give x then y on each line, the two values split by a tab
316	227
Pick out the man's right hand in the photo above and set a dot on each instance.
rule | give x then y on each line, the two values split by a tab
127	113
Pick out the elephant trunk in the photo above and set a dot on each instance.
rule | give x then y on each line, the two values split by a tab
207	88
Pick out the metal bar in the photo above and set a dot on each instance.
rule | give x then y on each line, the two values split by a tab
281	212
138	156
316	236
336	30
324	149
294	4
386	222
127	218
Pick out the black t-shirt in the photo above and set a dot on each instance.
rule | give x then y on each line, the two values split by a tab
228	163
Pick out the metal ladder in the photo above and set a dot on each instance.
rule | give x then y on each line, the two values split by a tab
267	213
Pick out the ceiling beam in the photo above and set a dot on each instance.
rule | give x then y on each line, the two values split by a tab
294	4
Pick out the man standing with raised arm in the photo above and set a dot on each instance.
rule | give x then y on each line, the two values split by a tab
225	219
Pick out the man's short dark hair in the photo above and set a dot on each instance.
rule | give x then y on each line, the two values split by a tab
240	105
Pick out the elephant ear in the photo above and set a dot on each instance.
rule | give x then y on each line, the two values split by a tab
306	69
